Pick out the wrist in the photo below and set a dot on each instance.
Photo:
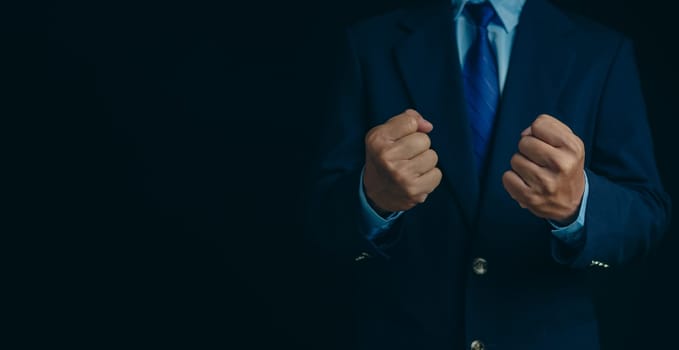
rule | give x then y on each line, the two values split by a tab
381	212
576	205
568	220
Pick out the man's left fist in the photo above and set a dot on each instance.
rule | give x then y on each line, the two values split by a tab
547	175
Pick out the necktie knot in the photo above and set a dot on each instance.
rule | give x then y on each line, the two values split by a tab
481	13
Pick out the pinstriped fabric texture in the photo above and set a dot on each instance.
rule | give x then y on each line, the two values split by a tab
480	80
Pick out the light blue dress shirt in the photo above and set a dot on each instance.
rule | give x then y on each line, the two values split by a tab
501	35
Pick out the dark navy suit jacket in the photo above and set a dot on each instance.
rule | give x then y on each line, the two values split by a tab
416	289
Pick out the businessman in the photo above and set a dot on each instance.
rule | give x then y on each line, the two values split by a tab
479	158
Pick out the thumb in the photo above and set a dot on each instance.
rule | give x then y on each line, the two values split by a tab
424	125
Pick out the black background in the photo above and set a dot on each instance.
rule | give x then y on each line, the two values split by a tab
157	152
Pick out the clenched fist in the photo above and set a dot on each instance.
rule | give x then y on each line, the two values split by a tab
547	175
400	167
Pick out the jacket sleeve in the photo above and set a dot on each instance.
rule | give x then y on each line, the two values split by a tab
333	206
628	209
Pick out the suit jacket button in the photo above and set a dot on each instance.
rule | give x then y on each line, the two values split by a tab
362	257
480	266
477	345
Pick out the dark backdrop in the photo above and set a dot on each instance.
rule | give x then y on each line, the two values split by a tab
158	152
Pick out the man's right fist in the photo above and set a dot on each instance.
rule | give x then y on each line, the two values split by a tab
400	167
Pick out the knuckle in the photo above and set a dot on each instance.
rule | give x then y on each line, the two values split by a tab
523	143
411	192
411	122
386	153
539	121
436	173
412	114
438	176
426	141
515	160
560	167
400	174
549	187
374	137
420	141
579	147
391	167
543	121
409	112
567	164
411	168
506	180
555	163
434	156
571	143
559	163
544	118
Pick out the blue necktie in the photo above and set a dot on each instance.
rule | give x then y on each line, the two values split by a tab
481	87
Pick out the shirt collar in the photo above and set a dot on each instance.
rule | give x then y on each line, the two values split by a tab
507	10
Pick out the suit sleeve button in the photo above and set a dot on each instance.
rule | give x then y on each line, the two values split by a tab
477	345
480	266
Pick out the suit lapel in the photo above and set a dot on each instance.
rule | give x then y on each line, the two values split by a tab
429	64
539	65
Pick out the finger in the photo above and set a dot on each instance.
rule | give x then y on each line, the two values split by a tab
430	180
423	162
409	146
403	124
551	131
532	174
527	131
423	125
537	151
516	187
